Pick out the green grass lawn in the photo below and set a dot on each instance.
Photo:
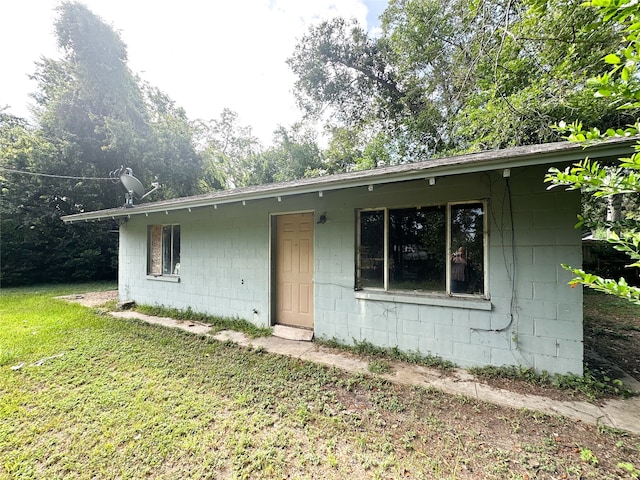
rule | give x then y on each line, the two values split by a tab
99	397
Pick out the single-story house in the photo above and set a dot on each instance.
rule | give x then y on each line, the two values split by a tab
456	257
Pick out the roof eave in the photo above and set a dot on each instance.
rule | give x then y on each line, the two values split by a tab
473	163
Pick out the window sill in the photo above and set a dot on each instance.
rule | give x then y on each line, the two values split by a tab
440	300
164	278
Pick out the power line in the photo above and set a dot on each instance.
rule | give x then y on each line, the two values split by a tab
67	177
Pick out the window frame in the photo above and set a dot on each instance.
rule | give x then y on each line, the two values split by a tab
447	251
174	273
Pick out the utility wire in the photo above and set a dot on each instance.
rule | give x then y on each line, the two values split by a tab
68	177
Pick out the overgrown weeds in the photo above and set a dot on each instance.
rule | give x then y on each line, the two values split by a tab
380	367
368	349
217	322
592	385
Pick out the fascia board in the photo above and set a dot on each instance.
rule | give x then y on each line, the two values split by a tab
549	154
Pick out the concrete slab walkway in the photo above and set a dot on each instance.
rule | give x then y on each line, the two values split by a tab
622	414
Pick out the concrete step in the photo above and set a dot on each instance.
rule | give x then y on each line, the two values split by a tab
293	333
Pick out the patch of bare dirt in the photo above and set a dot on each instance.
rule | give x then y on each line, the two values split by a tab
483	440
92	299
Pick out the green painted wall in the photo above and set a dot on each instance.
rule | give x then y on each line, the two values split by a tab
532	318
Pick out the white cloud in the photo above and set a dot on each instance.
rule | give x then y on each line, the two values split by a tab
204	55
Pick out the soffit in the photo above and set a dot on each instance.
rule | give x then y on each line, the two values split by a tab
558	154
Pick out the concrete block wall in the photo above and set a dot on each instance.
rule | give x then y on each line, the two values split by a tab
410	326
543	328
224	263
543	336
226	270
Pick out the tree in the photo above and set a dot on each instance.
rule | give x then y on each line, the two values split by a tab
341	68
228	151
622	86
295	154
451	76
170	155
92	100
534	72
90	97
94	116
235	158
35	246
436	45
339	65
343	151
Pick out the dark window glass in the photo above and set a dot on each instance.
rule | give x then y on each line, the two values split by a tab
175	257
417	237
416	249
467	247
371	250
166	249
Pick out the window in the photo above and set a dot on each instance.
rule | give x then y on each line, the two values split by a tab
425	249
163	250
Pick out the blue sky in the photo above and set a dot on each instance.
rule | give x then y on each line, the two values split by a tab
205	55
375	8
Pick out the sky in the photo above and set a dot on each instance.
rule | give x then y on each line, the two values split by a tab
206	55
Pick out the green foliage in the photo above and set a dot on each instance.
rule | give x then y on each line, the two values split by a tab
532	72
228	152
394	353
630	468
349	79
620	84
380	367
511	372
220	323
90	96
588	456
450	76
352	149
619	288
294	154
234	158
339	64
35	246
344	149
170	157
592	385
93	116
599	180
